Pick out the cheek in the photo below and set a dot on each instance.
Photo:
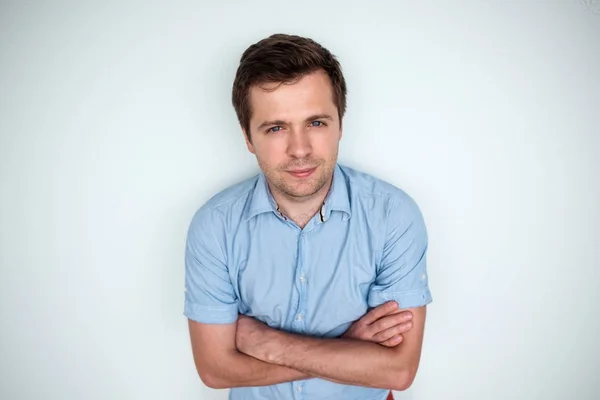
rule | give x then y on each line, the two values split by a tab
327	144
270	152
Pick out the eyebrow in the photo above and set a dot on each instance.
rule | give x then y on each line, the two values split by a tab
281	122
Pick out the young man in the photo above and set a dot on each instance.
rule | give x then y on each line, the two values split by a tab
309	280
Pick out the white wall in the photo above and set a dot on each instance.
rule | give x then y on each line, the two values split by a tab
116	124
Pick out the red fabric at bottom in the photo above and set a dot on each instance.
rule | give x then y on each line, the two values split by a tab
390	396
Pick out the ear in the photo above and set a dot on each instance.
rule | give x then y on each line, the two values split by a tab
249	144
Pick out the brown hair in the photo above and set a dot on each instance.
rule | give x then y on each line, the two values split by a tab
283	58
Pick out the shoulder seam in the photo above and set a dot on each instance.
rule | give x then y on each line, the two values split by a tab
232	200
380	193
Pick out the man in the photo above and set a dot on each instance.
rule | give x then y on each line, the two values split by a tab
309	280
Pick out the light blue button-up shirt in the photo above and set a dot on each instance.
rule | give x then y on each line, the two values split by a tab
366	246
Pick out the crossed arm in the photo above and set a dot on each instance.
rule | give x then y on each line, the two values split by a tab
249	353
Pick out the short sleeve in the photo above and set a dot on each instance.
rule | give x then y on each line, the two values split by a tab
402	273
209	294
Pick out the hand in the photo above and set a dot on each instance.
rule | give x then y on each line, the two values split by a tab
385	325
252	337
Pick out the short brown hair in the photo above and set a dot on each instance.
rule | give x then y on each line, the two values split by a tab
283	58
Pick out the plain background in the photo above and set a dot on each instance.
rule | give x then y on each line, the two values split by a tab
116	125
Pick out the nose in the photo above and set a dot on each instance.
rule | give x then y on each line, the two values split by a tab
299	145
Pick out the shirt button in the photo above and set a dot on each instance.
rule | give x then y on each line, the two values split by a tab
299	318
299	389
302	278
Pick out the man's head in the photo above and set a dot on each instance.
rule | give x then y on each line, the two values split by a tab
290	97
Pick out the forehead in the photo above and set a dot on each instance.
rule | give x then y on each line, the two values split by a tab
310	94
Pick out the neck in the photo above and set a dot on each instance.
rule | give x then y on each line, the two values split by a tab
301	210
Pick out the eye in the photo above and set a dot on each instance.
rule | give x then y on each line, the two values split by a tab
317	123
275	129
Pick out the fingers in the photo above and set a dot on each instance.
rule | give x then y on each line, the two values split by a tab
379	312
397	328
389	320
394	331
393	342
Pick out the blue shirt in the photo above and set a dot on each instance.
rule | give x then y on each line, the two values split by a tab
366	246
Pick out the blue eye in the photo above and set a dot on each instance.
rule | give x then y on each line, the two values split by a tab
317	123
275	129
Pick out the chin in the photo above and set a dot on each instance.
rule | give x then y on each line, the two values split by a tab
305	190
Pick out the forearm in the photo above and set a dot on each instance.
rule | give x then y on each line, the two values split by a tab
240	370
343	360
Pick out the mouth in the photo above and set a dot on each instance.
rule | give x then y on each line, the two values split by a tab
302	173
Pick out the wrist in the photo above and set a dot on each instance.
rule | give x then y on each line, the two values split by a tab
273	346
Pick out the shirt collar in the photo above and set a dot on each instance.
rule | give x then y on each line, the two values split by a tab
262	200
337	199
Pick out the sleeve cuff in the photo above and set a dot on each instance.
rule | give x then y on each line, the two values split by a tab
417	298
226	314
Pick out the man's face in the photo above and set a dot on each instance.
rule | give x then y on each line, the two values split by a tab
295	133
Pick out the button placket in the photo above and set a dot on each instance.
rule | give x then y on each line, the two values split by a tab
301	284
298	388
